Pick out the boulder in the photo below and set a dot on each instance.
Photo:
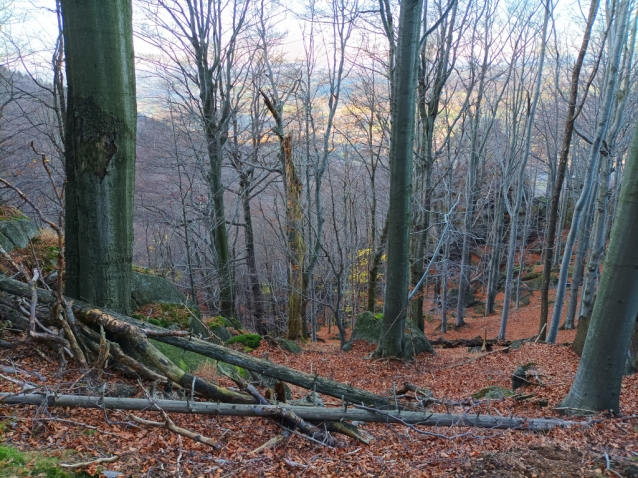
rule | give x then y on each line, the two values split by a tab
289	345
16	233
493	393
148	289
368	327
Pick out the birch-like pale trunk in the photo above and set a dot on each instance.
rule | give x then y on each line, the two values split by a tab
598	380
597	142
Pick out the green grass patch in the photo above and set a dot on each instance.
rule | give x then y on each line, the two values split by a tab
14	462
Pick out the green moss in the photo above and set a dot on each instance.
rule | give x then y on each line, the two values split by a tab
164	315
248	340
220	321
493	393
187	361
17	463
234	372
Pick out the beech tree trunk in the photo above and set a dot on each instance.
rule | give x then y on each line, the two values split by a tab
399	213
100	151
611	83
548	253
599	376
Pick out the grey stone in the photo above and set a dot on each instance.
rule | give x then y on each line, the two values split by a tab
18	232
289	345
368	327
147	289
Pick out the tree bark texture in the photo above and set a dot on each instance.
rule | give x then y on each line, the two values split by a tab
599	376
399	213
100	151
611	83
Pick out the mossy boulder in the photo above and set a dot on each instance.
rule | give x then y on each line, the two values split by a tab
234	372
16	233
148	288
493	393
368	327
153	289
184	359
289	346
250	341
534	281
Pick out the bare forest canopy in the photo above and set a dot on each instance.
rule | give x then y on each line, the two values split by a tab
327	70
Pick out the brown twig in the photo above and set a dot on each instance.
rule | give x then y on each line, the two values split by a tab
110	459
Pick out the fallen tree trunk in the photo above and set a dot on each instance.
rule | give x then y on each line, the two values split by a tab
219	352
315	414
477	342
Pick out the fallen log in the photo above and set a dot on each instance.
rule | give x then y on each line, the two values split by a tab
477	342
221	353
315	414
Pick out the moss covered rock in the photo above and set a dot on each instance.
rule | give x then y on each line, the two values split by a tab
493	393
15	233
234	372
289	345
368	327
250	341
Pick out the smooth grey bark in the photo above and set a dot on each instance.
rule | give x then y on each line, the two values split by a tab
598	245
307	413
599	376
611	82
399	213
579	264
100	151
548	251
514	209
494	268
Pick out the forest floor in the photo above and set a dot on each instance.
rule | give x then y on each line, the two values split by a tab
608	446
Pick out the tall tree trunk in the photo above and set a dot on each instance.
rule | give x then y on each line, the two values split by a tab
611	82
296	245
401	144
261	325
599	376
515	209
579	265
100	151
560	173
219	232
495	259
